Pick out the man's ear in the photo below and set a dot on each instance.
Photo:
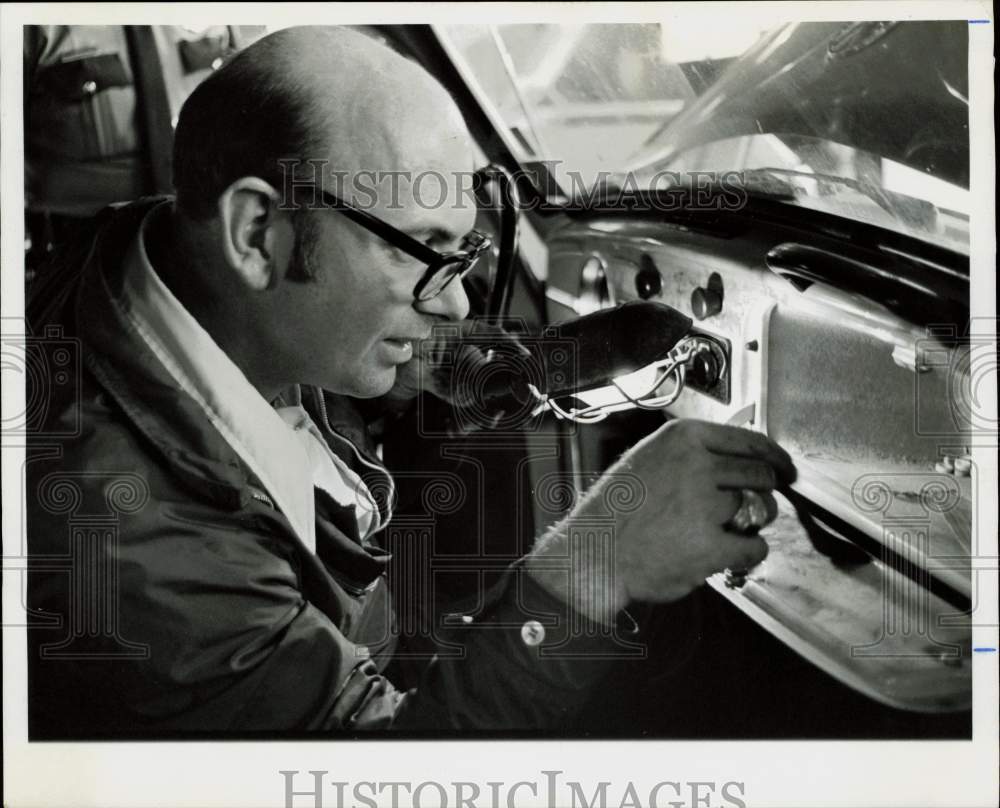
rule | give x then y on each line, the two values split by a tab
257	235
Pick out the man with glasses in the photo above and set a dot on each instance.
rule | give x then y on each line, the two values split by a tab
237	583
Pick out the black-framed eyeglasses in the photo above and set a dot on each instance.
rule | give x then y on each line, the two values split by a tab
442	268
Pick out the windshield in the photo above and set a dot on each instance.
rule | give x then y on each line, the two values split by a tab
867	120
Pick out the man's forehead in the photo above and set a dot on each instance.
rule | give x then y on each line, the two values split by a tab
434	205
429	195
410	141
390	139
443	223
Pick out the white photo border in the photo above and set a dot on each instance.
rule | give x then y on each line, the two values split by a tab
794	774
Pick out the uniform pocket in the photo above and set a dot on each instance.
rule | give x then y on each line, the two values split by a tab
80	77
83	108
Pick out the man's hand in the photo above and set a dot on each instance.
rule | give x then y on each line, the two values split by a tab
449	363
674	538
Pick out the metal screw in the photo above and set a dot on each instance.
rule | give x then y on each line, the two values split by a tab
736	579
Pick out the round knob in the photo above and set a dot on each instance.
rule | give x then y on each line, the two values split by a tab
705	302
648	282
703	369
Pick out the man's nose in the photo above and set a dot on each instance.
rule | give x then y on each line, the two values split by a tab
451	304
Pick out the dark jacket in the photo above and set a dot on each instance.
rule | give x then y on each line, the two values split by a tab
168	594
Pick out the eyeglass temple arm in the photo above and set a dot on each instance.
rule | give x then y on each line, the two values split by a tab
384	230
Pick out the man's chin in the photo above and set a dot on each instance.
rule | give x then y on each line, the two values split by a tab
368	387
377	388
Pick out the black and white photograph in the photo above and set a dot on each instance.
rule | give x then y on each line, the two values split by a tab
525	405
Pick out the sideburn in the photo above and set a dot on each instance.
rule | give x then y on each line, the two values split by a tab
304	265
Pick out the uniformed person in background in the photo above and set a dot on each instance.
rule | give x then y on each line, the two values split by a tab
100	104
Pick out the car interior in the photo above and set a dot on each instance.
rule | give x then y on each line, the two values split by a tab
798	197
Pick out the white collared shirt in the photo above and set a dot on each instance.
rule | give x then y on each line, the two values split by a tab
283	447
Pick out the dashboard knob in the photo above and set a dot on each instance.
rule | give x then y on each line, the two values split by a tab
703	368
705	302
648	282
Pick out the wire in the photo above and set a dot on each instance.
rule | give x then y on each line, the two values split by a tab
676	368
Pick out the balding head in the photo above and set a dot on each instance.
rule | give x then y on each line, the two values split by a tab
371	103
297	294
313	93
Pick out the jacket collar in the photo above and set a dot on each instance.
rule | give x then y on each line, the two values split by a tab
136	379
171	420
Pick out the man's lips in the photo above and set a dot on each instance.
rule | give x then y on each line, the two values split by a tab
401	348
411	341
397	351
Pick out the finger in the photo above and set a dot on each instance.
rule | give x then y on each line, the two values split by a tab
740	552
464	377
737	472
726	504
772	506
488	335
739	442
510	344
718	506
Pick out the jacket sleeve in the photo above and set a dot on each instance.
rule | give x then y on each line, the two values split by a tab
527	661
235	646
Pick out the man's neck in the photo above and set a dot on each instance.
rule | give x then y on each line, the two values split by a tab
186	270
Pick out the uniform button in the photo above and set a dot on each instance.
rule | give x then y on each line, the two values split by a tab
532	632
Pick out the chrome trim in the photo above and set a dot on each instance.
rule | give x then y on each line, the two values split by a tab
924	261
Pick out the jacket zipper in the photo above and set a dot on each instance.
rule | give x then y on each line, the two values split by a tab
260	496
357	452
